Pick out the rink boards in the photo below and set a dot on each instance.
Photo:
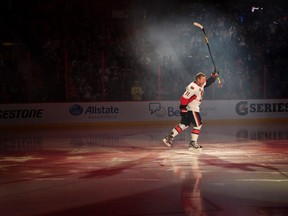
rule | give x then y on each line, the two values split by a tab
142	111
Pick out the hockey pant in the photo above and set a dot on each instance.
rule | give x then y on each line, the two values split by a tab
186	120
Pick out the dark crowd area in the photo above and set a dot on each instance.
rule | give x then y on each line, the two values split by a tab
72	50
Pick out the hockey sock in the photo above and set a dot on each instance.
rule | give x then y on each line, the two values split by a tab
195	133
178	129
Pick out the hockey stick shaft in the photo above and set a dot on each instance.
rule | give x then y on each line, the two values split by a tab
207	42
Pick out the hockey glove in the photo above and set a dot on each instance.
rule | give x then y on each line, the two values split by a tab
183	109
215	74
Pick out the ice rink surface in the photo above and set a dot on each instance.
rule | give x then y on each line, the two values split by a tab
128	171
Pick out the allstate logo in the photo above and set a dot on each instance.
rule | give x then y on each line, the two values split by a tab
76	109
242	108
157	109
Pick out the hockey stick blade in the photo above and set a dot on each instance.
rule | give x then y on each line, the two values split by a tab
198	25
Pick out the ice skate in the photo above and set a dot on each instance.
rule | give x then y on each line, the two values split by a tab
194	146
168	140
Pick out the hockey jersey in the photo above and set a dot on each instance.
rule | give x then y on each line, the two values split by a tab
192	97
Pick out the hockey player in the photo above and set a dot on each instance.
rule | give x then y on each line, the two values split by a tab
189	110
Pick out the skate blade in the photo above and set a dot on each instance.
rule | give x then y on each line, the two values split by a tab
195	150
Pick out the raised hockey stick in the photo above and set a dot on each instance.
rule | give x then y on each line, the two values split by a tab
207	42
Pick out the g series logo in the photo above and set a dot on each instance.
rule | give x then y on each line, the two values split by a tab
243	108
